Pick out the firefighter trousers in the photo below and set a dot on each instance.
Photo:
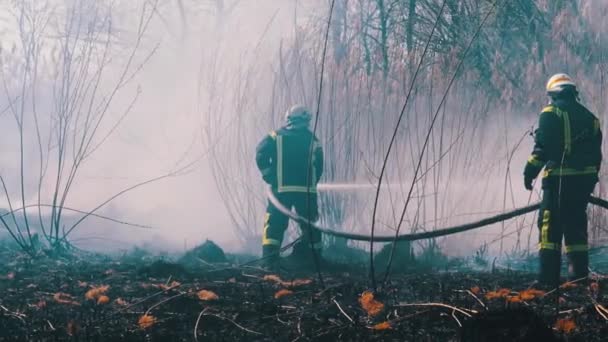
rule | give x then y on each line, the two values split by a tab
276	222
563	215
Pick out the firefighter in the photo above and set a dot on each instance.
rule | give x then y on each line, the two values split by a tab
567	145
286	163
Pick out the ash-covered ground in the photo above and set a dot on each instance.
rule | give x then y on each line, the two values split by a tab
208	296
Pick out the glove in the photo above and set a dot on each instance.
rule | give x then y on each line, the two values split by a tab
528	183
268	176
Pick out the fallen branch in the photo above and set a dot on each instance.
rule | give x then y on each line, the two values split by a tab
462	311
344	313
197	322
231	321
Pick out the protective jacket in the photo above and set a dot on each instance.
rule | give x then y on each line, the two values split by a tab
568	142
283	159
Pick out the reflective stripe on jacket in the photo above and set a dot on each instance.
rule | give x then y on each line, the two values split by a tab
283	159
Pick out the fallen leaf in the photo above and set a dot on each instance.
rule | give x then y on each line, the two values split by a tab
207	295
96	292
369	304
121	302
146	321
10	276
565	325
41	304
530	294
103	300
172	285
273	278
276	279
501	293
64	298
594	287
72	328
232	280
282	293
299	282
514	299
382	326
562	300
109	272
83	283
568	285
475	290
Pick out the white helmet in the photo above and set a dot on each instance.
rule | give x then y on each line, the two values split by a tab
560	82
298	116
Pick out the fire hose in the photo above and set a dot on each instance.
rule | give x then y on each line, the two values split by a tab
415	236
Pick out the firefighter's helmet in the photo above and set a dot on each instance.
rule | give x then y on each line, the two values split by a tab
298	116
559	83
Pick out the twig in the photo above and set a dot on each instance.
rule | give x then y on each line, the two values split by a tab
564	285
439	305
233	322
456	318
344	313
566	312
599	311
474	296
14	314
164	301
198	321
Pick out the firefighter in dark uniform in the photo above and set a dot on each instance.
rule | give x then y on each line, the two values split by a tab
568	146
283	159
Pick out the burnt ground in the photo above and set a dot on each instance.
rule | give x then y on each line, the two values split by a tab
46	300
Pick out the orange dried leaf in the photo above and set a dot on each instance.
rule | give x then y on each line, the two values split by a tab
530	294
475	290
96	292
568	285
369	304
273	278
207	295
501	293
514	299
565	325
103	300
146	321
64	298
276	279
282	293
382	326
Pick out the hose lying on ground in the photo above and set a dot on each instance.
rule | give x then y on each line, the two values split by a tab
416	236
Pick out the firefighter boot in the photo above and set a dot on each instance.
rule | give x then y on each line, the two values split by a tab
302	255
550	261
271	256
578	265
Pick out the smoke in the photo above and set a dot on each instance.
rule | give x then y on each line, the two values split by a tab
185	45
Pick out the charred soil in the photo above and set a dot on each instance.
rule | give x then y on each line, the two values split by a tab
94	298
